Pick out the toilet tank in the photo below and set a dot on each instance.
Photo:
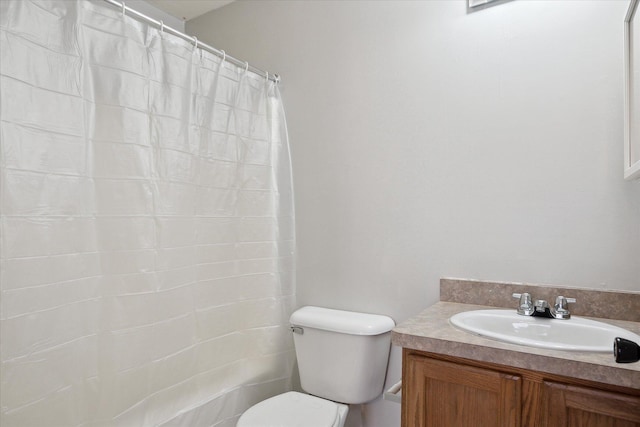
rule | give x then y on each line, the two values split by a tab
342	355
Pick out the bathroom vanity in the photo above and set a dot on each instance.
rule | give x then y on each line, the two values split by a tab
453	378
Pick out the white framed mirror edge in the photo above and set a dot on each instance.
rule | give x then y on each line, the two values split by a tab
631	171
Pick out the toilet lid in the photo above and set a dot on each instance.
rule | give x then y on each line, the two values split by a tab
291	409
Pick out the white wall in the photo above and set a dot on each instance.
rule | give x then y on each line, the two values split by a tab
428	141
148	9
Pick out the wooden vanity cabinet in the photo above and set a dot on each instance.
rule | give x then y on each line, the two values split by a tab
568	405
439	391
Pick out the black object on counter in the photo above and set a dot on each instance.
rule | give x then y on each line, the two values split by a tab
625	351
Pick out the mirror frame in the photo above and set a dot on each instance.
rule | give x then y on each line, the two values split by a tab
631	171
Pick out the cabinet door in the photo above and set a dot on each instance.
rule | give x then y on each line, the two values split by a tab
440	393
573	406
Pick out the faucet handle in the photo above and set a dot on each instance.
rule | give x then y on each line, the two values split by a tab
562	301
520	296
560	310
525	306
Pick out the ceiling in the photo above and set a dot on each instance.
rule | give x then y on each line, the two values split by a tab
188	9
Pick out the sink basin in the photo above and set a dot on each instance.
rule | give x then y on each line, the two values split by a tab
574	334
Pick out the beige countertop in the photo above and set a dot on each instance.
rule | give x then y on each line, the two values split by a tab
431	331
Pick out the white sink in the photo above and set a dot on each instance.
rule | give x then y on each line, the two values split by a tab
574	334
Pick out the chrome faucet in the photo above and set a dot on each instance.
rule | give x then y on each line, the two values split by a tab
542	308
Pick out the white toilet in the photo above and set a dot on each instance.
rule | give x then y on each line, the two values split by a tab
342	358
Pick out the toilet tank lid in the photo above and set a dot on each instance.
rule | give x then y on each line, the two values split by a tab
346	322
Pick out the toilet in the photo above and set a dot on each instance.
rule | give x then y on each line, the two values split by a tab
342	359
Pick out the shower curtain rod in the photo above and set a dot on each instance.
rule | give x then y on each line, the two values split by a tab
198	44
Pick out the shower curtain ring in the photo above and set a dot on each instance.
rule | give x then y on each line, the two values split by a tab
161	27
224	57
246	66
195	42
124	9
266	77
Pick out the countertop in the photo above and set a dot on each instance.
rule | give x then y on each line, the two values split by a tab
431	331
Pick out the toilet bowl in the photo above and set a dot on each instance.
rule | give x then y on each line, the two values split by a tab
322	338
295	409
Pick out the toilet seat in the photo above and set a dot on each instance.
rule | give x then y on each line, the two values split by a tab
294	409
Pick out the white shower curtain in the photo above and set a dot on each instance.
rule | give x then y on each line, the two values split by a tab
147	232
